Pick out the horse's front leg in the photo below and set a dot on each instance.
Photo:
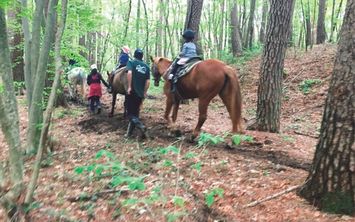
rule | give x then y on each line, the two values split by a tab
174	116
169	104
114	96
202	109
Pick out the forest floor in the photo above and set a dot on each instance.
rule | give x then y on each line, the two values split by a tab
94	174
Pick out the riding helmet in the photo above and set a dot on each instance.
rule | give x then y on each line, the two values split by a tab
125	49
188	34
138	54
93	66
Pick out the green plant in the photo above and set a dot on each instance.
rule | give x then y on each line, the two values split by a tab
206	139
112	168
307	84
210	196
237	139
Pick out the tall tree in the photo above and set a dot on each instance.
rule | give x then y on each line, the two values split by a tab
250	31
331	181
192	21
263	21
9	122
50	106
236	38
16	43
321	34
334	19
36	109
270	83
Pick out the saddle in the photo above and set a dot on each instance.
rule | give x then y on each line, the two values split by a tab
186	68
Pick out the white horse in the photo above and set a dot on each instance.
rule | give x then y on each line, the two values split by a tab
76	76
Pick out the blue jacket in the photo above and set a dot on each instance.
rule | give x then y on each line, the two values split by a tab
188	50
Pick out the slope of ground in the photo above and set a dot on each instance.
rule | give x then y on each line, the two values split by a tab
180	178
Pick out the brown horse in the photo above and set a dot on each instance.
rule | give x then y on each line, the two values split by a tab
207	79
119	85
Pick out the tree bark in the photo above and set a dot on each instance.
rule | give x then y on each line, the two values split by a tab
36	113
16	44
321	34
263	21
270	83
332	177
250	30
159	25
35	44
236	38
50	106
192	21
27	51
9	121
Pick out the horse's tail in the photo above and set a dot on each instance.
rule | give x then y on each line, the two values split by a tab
232	97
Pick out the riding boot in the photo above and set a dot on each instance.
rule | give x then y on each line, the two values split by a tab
140	126
130	129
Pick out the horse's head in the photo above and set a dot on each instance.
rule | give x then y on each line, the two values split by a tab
109	77
159	67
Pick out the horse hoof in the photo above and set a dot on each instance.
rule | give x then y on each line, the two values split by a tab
191	138
176	132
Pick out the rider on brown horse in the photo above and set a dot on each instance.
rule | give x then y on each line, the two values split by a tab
188	51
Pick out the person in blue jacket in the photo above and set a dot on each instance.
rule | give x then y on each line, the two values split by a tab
188	51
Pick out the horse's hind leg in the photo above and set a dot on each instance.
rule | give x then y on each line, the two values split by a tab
202	109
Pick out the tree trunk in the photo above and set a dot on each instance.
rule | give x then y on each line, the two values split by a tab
9	121
27	51
331	181
321	34
250	30
236	38
159	25
334	20
270	84
50	106
35	44
263	21
35	117
192	21
16	44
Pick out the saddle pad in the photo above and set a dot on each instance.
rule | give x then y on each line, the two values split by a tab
187	67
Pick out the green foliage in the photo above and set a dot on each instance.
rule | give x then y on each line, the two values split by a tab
237	139
206	139
178	201
210	196
18	85
169	149
338	202
2	88
249	55
5	3
112	168
228	57
175	215
32	206
307	84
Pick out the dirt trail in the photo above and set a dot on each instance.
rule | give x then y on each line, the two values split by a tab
250	171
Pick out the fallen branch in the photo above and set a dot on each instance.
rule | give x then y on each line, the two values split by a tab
98	194
305	134
257	202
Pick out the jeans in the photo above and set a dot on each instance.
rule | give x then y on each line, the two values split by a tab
133	103
94	102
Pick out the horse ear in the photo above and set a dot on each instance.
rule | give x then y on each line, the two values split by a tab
151	58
